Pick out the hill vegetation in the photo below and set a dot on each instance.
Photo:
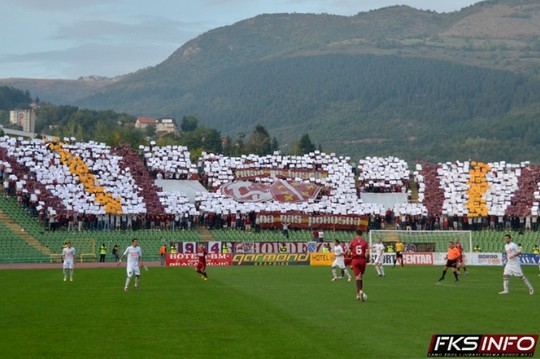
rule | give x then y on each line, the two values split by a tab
395	81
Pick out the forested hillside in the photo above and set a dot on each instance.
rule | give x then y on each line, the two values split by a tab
395	81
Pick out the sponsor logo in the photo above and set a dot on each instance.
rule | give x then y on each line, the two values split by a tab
191	260
528	259
321	259
271	247
271	259
418	258
488	256
490	345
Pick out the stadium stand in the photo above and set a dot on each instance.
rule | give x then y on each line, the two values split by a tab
58	190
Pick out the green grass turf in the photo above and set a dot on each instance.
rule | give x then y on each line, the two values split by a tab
253	312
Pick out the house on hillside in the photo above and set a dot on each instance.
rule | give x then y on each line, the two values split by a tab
165	126
143	122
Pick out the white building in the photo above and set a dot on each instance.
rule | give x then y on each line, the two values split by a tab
24	118
166	125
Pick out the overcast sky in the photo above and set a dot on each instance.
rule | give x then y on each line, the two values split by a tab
71	38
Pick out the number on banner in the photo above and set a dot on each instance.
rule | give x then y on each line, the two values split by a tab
189	247
214	247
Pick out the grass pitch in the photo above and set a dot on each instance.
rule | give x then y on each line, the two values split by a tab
253	312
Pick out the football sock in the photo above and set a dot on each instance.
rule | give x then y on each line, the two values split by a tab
526	282
137	279
128	279
382	269
334	272
65	272
71	273
505	285
443	274
346	271
456	276
358	285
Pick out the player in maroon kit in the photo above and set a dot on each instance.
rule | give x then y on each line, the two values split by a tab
461	261
360	257
201	265
347	257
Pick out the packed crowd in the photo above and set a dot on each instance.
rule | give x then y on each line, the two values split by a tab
89	185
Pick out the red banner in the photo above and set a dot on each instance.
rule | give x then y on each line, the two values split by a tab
307	221
280	190
290	191
254	173
191	260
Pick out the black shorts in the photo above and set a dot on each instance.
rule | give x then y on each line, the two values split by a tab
451	263
399	255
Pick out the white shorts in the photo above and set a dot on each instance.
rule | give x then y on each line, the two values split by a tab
513	269
339	262
378	260
133	269
68	264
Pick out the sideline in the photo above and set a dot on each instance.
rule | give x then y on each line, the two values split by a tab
77	265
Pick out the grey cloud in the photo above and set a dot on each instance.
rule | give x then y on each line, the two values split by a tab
153	30
93	59
58	5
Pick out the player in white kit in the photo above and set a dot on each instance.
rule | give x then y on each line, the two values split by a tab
339	261
512	267
134	262
378	249
68	260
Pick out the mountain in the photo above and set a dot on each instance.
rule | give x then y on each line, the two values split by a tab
60	91
395	81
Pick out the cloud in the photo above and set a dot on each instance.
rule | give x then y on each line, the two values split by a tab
90	59
142	30
57	5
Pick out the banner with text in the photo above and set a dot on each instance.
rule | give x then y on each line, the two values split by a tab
307	221
275	247
485	259
321	259
257	173
191	247
270	259
191	260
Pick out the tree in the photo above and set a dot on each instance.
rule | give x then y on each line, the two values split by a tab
275	144
259	142
238	147
189	123
203	138
150	131
168	139
227	146
303	146
306	146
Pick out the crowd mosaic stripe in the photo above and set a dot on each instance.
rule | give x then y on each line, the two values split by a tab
478	186
80	169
